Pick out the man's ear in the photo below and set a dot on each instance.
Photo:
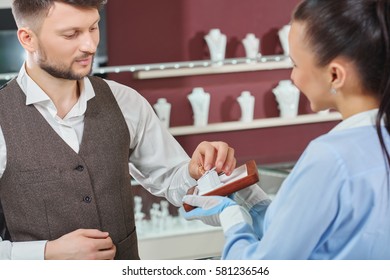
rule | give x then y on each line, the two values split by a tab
27	39
337	73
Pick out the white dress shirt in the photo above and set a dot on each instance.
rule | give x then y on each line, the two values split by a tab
157	161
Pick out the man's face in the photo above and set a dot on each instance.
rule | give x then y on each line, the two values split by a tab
67	41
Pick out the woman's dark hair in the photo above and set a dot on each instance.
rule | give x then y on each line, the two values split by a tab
358	30
25	11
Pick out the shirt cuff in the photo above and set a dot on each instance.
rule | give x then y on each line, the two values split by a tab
187	177
31	250
234	215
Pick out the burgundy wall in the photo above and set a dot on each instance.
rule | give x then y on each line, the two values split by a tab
151	31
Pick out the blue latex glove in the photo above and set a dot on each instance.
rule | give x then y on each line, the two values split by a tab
215	211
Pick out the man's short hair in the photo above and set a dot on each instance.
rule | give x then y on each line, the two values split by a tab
32	12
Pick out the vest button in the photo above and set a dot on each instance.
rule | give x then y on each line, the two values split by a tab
87	199
79	168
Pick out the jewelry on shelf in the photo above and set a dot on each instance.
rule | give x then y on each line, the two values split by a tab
239	64
247	105
287	96
251	45
163	111
216	42
200	102
283	37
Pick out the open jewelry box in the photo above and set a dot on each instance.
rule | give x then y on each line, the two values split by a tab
242	177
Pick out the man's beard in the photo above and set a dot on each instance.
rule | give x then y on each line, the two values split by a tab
61	71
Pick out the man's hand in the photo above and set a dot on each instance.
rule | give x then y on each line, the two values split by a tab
81	244
212	154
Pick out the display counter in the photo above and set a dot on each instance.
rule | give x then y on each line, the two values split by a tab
172	237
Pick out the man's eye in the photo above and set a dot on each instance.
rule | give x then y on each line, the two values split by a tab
70	36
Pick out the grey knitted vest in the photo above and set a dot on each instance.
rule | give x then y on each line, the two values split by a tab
48	190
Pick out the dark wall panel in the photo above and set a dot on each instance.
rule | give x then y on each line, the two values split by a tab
150	31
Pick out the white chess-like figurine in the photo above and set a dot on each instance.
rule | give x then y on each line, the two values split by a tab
163	111
216	42
166	218
200	102
138	214
251	45
283	37
155	216
164	208
247	105
287	96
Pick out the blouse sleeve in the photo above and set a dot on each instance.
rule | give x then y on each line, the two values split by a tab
301	214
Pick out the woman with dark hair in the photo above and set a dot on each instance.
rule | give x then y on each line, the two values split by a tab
335	203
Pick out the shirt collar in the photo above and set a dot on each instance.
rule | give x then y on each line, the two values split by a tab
367	118
34	94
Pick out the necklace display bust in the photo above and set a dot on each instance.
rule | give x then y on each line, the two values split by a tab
251	45
200	102
216	42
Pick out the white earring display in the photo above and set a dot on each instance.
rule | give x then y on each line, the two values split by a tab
283	37
216	42
287	96
251	45
247	105
163	111
200	102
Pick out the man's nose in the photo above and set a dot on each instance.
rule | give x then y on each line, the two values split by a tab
89	43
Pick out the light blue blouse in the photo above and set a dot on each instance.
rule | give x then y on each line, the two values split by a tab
335	204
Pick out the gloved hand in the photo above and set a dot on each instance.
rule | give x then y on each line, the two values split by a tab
216	210
254	200
250	196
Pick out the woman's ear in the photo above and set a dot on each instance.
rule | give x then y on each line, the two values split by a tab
27	39
337	74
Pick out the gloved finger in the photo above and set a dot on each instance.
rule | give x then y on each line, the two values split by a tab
205	202
196	214
192	200
211	214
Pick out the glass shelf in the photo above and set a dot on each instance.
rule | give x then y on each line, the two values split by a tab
207	67
255	124
191	68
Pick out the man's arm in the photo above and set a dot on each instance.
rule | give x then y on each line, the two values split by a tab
81	244
32	250
157	160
